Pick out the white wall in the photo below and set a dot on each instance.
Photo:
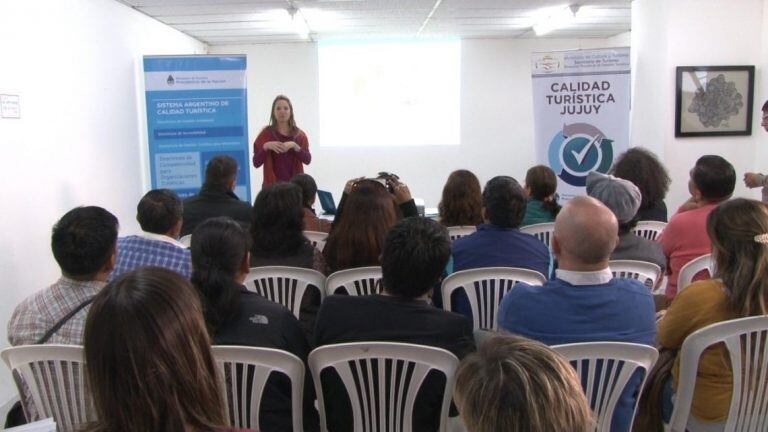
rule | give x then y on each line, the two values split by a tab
75	65
694	33
496	114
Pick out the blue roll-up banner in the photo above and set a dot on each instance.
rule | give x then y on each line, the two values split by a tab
196	109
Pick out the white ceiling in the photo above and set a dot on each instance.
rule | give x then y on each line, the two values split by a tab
219	22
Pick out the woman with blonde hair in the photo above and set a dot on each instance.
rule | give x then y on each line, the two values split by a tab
462	200
148	357
738	230
514	384
281	146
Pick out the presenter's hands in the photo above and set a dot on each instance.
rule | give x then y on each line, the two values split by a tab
753	180
275	146
290	145
400	191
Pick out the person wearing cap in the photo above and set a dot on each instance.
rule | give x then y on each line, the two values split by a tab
623	198
584	302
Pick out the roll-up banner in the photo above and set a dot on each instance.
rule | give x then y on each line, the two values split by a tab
581	105
196	110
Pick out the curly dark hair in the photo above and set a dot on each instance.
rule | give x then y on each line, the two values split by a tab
462	200
643	168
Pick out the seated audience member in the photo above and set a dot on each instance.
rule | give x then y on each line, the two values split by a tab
584	303
405	205
685	236
308	194
216	197
643	168
513	384
754	179
358	237
278	240
160	216
276	230
236	316
498	242
540	186
738	230
83	244
148	357
414	256
623	198
462	201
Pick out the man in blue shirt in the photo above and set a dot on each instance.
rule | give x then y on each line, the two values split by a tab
584	303
160	216
498	242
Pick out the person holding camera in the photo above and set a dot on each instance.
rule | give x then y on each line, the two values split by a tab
281	147
368	208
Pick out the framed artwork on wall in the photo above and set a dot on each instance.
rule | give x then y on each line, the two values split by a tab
714	100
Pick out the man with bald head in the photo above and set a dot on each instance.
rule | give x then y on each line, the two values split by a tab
584	303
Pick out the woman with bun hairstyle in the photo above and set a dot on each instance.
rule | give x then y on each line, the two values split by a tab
542	206
281	147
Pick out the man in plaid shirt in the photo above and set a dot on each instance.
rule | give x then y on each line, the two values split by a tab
83	244
160	216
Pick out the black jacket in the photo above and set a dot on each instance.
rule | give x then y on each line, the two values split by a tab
213	201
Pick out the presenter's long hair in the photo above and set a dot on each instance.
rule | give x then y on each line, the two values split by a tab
738	229
358	238
148	356
273	119
278	221
462	200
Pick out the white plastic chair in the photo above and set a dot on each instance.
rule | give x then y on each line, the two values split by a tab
605	369
357	281
692	268
55	377
186	240
646	272
459	231
746	340
317	239
285	285
649	229
542	231
485	287
243	373
383	377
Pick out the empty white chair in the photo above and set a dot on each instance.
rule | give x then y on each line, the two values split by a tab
649	229
355	281
381	390
455	232
485	287
285	285
605	369
317	239
55	377
746	340
542	231
186	240
243	373
690	270
646	272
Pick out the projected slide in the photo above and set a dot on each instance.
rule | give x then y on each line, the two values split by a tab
389	94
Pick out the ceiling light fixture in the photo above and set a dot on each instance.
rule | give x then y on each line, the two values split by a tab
559	18
298	22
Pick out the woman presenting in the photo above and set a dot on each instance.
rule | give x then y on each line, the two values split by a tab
281	147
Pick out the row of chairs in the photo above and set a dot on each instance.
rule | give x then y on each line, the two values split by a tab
543	231
55	374
484	287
